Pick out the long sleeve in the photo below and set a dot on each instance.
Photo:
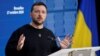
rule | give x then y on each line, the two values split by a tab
54	46
12	44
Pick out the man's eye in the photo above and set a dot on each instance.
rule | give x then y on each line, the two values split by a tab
43	12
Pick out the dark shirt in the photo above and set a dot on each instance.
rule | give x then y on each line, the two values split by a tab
38	42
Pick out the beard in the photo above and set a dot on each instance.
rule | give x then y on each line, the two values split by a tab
37	23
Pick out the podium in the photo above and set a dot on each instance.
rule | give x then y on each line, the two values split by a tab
88	51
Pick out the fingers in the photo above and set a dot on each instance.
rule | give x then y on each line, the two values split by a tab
66	41
21	39
68	36
21	42
64	44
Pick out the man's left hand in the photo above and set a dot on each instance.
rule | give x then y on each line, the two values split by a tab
65	42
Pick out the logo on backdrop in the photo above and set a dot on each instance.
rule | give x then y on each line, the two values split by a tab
16	10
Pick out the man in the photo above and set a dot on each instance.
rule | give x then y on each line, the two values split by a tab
34	39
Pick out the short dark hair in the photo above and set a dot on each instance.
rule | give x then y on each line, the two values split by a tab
38	3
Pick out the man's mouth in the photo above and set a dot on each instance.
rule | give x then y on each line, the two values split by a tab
39	18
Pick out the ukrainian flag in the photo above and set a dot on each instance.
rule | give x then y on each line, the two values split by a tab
85	34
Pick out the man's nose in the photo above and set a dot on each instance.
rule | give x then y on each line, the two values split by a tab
40	13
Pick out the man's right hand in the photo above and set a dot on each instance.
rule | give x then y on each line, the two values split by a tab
21	42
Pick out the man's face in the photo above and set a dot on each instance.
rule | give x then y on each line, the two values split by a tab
39	14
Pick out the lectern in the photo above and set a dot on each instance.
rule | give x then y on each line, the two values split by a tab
87	51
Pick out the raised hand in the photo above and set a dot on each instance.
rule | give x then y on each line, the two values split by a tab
21	42
65	42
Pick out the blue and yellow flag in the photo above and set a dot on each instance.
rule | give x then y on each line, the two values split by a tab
85	34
